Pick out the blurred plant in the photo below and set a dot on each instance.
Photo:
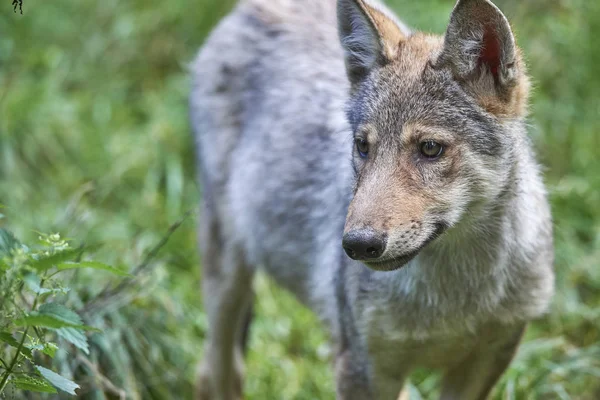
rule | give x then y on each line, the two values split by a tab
30	318
18	4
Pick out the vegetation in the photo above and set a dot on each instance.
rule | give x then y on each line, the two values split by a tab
95	145
28	288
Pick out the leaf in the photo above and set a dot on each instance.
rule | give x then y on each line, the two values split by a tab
33	283
44	321
93	265
46	262
8	242
7	338
75	337
60	312
50	348
58	381
33	384
55	316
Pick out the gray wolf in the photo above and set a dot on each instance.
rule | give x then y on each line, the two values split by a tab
381	175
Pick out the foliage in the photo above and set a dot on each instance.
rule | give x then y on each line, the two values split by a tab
94	143
30	314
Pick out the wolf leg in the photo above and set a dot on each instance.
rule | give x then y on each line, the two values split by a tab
474	378
227	293
354	381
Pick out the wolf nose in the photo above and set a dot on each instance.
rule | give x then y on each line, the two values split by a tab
363	244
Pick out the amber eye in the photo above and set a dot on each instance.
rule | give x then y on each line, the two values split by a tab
362	147
431	149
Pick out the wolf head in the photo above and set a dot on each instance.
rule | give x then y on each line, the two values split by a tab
435	121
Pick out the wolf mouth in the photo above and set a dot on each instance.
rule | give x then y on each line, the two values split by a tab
400	261
393	264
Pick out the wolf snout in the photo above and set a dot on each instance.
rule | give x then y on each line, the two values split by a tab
364	244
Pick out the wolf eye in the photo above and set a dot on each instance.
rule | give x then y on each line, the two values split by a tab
431	149
362	147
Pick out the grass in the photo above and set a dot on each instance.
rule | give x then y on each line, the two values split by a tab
95	144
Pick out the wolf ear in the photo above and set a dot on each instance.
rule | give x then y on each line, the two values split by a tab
479	44
370	36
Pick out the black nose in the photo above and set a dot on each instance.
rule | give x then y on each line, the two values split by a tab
363	244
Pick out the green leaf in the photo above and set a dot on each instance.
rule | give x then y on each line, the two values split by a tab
33	384
33	283
75	337
58	381
44	321
60	312
50	348
93	265
8	242
55	316
44	263
7	338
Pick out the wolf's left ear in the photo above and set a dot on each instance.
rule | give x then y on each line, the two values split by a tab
480	49
370	36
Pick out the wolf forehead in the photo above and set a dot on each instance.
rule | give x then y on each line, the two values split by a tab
412	89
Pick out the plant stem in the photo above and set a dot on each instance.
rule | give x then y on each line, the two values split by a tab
7	373
37	296
106	295
13	362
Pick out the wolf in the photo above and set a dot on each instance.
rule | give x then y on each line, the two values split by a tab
384	177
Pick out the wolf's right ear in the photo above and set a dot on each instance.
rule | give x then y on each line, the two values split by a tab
370	36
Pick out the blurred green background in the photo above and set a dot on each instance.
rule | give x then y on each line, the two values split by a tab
95	144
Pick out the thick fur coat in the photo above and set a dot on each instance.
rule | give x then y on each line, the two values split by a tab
314	123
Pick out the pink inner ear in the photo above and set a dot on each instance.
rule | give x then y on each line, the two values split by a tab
490	51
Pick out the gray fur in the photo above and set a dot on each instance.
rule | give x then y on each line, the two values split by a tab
274	123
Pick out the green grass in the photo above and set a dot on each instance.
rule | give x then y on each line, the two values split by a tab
95	144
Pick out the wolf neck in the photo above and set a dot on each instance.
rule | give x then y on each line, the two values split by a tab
468	253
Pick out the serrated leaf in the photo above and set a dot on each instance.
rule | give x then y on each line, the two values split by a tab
44	321
7	338
33	384
44	263
92	265
8	242
75	337
60	312
55	316
59	382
